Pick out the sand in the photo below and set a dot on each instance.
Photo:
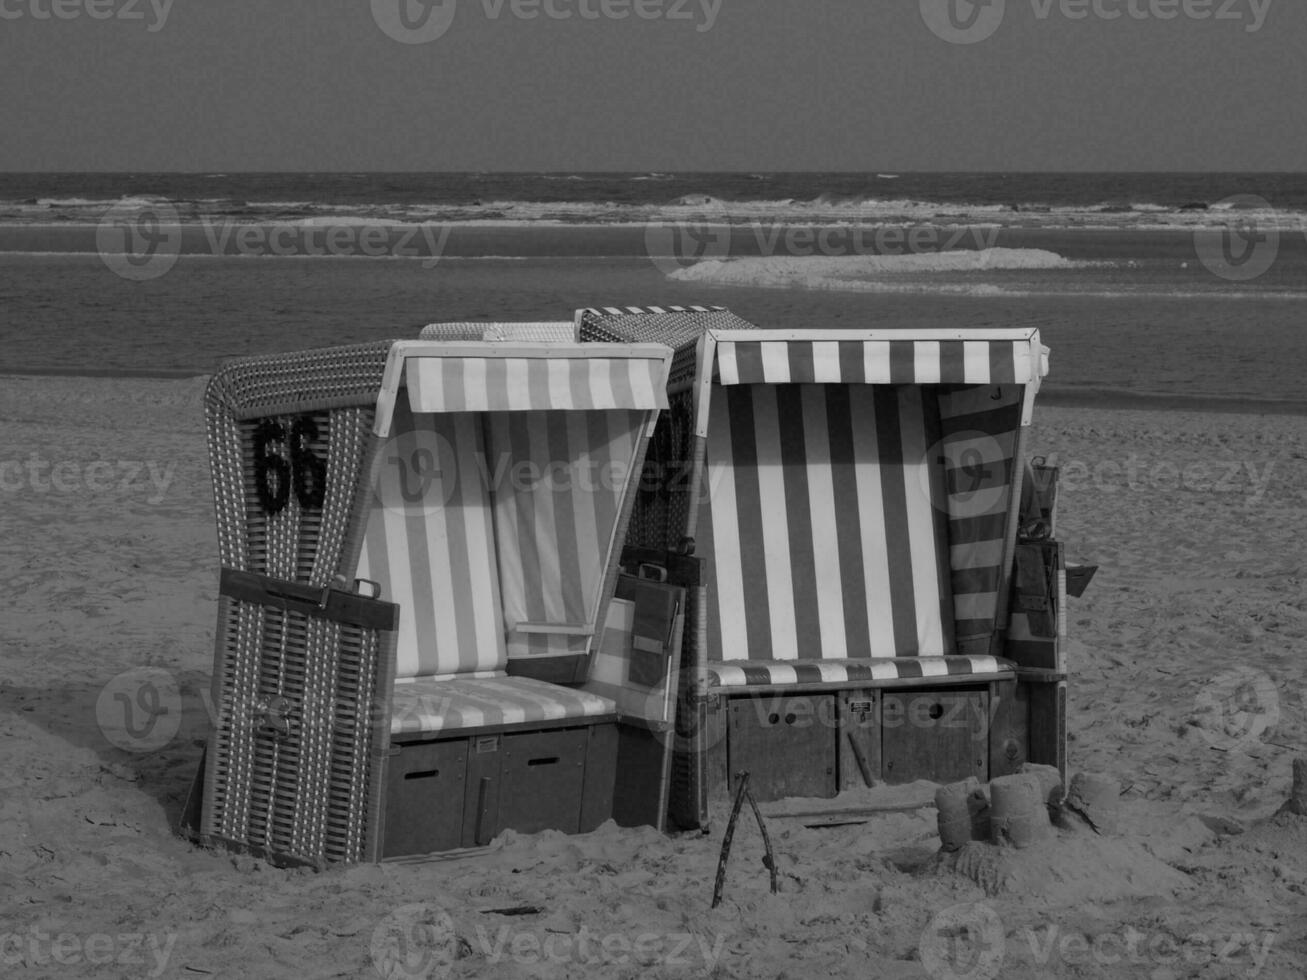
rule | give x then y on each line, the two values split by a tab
1188	663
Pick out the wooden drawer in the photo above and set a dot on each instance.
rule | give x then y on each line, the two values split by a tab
786	743
425	787
942	735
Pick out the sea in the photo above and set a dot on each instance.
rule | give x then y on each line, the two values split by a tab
1173	290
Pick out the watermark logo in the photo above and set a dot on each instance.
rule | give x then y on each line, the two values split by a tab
131	953
121	10
702	236
414	21
964	942
973	21
140	710
416	473
963	21
424	21
416	942
139	241
1134	474
36	474
975	475
1236	708
709	234
1107	951
1245	246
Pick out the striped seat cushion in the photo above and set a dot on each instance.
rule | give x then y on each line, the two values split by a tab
776	673
427	705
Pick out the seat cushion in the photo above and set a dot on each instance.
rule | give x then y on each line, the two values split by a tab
427	705
789	673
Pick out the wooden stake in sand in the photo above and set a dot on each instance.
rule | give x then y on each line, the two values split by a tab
769	858
1297	801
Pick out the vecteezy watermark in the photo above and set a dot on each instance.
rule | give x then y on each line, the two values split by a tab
421	941
1245	246
709	235
37	474
1236	708
424	21
1070	949
964	942
973	21
133	951
140	710
355	240
416	942
963	21
143	240
139	240
1131	474
419	472
125	10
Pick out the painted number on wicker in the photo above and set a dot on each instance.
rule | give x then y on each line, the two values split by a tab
275	475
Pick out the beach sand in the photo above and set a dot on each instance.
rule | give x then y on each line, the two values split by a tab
1198	521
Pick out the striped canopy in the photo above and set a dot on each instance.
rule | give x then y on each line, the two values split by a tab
507	377
881	361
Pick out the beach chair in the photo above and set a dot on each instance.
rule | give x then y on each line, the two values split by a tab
869	611
423	636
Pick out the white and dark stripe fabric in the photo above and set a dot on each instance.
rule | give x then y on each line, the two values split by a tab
559	480
979	426
796	673
477	383
892	362
826	524
428	706
430	543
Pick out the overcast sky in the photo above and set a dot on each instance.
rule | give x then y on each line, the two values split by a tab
223	85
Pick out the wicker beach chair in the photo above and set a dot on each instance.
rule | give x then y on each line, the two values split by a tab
868	611
423	635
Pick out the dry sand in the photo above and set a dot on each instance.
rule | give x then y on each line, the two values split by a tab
1199	522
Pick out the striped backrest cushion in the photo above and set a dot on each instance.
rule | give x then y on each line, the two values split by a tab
559	480
825	523
430	543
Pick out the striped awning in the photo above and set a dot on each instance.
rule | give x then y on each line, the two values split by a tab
488	383
876	362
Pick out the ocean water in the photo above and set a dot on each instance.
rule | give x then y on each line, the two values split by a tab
1184	287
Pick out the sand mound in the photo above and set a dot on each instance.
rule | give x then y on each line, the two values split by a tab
1069	869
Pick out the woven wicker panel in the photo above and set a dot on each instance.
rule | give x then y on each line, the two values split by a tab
677	327
332	395
290	441
311	793
658	519
553	333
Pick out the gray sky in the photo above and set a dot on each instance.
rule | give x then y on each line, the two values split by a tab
222	85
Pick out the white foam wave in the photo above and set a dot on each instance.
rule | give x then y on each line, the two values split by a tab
866	271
